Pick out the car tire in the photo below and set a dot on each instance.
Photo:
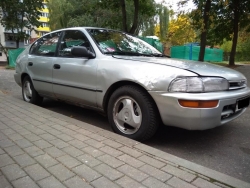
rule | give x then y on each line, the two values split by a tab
29	93
133	113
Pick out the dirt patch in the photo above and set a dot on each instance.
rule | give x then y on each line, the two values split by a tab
6	67
5	92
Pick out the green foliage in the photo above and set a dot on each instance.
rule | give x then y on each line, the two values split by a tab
243	47
180	31
225	17
163	13
226	46
16	15
106	13
60	11
158	23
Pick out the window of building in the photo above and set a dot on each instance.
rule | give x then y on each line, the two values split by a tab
42	33
27	41
10	37
44	24
45	5
45	14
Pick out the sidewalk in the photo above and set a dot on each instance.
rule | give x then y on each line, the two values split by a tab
40	148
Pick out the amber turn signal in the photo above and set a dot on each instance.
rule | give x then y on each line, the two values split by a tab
198	104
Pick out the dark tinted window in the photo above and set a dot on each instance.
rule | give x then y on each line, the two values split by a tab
72	38
46	46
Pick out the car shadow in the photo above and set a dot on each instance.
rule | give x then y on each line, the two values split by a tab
165	136
85	115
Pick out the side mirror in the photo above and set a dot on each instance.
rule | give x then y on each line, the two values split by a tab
80	51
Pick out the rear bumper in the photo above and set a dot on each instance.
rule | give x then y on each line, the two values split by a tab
173	114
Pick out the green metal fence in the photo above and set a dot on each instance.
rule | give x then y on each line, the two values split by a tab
192	53
153	42
13	54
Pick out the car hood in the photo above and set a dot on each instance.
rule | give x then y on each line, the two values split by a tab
200	68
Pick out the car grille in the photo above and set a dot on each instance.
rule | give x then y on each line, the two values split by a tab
233	85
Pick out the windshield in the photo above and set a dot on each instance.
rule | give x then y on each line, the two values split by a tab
115	42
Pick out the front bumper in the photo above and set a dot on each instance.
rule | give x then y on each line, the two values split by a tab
173	114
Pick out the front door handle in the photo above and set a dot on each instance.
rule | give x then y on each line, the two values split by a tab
30	64
56	66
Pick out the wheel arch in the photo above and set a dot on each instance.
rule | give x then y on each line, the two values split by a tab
23	76
119	84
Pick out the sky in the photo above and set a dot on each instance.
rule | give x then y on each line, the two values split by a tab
173	5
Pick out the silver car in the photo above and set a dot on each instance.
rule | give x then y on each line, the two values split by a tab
133	83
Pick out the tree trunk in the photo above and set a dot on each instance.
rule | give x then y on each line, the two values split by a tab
235	34
124	15
204	31
17	43
136	14
5	51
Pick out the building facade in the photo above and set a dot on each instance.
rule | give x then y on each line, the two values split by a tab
44	20
7	37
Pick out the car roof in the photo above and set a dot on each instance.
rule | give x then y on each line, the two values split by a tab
73	28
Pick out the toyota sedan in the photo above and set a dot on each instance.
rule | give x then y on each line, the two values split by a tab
133	83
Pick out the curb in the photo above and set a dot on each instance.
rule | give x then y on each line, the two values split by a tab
212	175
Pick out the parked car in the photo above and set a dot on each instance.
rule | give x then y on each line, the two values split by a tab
132	82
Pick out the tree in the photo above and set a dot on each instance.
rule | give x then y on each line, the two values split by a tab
157	24
203	10
237	14
180	31
163	14
59	13
5	51
18	15
133	14
222	20
130	15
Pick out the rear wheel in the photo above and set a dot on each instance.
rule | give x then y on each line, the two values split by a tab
29	93
132	113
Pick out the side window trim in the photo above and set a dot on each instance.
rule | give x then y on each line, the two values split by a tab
59	43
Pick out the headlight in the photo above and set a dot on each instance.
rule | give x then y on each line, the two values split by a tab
198	84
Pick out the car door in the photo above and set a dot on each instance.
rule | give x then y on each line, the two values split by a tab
40	63
74	78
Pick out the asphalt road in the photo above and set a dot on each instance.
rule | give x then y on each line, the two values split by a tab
225	149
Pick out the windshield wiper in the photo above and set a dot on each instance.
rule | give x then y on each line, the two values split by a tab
159	55
128	53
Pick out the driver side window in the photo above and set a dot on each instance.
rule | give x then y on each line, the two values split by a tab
70	39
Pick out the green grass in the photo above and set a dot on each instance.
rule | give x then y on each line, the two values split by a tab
226	63
9	67
243	62
236	63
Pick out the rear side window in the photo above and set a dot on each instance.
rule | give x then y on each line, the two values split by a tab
46	46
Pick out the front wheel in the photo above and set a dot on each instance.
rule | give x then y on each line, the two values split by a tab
132	113
29	93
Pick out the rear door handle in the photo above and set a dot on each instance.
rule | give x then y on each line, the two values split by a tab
56	66
30	64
